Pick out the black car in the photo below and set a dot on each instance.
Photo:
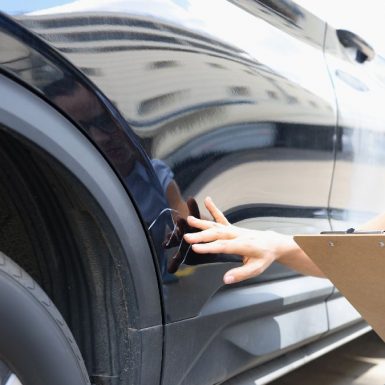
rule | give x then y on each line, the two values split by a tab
112	116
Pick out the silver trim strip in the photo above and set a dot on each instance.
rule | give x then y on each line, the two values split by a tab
283	365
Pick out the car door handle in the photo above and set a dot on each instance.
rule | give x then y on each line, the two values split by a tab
350	40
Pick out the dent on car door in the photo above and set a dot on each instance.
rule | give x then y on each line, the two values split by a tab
237	102
359	178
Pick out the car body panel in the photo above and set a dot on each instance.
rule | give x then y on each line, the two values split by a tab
252	326
221	106
356	195
215	106
358	181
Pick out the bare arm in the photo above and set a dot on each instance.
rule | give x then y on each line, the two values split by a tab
294	257
259	249
376	223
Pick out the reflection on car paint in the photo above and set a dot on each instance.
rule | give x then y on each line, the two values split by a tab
223	106
214	105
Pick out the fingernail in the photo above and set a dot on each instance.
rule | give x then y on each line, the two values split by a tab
228	279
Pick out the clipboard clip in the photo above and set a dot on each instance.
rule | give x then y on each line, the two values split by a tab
351	230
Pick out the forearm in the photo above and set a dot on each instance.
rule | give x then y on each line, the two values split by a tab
376	223
292	256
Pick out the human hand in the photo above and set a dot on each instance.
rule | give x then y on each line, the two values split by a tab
259	249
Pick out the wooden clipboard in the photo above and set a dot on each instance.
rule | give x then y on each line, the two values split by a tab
355	263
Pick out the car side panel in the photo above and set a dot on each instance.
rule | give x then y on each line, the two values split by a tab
228	105
358	184
231	111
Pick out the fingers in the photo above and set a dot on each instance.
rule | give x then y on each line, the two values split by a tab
201	224
194	221
215	212
209	235
224	246
246	271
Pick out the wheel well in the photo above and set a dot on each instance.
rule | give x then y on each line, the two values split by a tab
54	229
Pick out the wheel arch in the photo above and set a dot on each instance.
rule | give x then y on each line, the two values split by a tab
64	154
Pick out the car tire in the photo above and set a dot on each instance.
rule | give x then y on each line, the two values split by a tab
36	346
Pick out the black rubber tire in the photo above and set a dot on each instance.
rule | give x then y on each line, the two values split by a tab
35	342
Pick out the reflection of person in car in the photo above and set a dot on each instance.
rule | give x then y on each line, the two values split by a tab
82	106
85	108
259	249
119	152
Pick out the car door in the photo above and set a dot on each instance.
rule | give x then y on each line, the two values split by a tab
358	183
235	99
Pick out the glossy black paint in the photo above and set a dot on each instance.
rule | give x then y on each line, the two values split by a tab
34	63
199	130
223	107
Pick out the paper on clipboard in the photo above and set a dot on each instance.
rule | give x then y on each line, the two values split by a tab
355	264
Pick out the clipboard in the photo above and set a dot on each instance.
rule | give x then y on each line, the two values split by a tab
355	264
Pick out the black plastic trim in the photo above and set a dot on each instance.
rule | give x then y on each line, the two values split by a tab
32	118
